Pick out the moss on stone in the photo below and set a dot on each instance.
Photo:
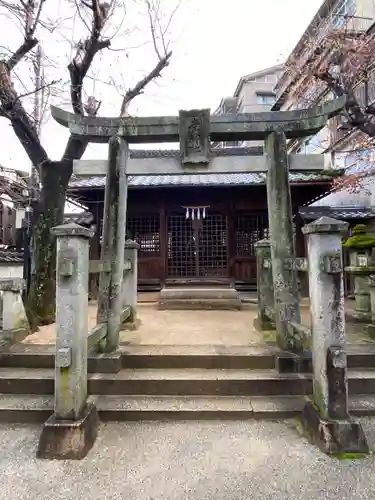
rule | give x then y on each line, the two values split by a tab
350	456
269	336
359	229
360	238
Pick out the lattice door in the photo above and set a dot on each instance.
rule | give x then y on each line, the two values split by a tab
250	228
213	257
197	248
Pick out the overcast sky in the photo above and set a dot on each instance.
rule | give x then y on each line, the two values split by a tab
214	43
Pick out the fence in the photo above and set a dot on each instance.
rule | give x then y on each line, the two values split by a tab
325	417
73	338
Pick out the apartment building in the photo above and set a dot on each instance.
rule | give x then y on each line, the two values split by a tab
253	93
355	16
337	141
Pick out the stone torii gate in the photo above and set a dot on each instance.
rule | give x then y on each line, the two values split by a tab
194	130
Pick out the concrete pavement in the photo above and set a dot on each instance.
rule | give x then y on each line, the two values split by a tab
185	461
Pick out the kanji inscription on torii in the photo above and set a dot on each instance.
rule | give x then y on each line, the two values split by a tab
194	129
193	135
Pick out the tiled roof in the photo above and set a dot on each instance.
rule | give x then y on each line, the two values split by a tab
195	180
83	218
314	212
10	256
358	198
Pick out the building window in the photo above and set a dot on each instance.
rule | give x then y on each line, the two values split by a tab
145	230
269	99
271	78
343	9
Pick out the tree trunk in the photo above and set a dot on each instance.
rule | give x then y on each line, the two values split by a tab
48	214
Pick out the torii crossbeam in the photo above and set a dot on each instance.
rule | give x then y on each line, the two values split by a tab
230	127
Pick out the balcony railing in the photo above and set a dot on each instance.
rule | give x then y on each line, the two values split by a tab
349	24
337	129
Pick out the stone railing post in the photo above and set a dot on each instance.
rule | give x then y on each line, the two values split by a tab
71	431
285	284
326	418
130	283
372	297
361	268
266	314
13	311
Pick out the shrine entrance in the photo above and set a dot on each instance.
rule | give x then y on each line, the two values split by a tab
196	238
197	244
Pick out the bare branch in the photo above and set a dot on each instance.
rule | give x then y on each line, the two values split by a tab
356	117
85	54
139	87
42	87
23	126
25	48
150	12
11	104
35	23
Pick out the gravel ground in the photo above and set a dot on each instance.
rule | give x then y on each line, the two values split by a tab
176	328
185	460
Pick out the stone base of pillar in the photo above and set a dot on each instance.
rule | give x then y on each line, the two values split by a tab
334	437
69	439
262	323
358	316
105	362
290	362
370	330
132	323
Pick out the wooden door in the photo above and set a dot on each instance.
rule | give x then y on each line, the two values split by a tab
197	248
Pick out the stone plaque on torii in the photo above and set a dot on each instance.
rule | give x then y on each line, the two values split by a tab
195	130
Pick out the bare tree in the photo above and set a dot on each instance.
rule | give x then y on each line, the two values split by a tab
96	18
338	65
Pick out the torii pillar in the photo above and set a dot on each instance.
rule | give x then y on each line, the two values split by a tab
284	275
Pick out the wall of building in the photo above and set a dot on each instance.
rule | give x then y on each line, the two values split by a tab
257	95
365	8
11	270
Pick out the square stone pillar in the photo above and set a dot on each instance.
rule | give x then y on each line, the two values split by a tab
13	311
130	284
372	300
266	313
326	418
72	429
285	282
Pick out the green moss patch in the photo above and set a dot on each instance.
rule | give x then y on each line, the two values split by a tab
360	241
350	456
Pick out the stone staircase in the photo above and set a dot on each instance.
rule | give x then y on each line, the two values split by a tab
200	298
177	383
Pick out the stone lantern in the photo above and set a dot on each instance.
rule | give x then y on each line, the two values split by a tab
362	265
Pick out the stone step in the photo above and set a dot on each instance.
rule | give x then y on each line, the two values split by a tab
22	408
180	356
184	382
190	297
188	293
163	381
200	304
204	356
150	356
358	357
43	356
